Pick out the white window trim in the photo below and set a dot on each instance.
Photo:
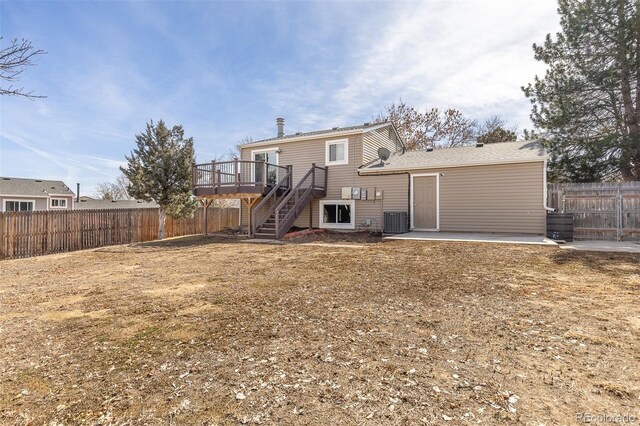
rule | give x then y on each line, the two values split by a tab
66	203
257	151
437	175
351	225
4	203
346	152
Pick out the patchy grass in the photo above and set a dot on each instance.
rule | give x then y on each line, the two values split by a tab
346	330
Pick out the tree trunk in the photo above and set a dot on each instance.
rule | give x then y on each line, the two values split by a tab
162	218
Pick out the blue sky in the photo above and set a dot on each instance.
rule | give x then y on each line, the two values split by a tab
226	70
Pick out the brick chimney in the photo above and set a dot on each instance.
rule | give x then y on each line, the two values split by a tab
280	124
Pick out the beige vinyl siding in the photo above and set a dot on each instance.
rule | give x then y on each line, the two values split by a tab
302	154
495	198
375	139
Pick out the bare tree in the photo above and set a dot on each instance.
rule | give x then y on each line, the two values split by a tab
430	128
116	190
494	129
14	59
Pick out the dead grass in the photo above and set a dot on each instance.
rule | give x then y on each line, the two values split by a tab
347	330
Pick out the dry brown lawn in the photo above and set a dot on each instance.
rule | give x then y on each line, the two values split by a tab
350	330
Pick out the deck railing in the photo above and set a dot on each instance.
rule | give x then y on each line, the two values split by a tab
236	176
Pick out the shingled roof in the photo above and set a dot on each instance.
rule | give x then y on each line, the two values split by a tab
495	153
327	132
33	187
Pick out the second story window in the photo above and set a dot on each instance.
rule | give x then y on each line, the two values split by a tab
337	152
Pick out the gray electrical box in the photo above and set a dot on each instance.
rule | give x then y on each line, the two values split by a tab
379	194
363	193
355	193
346	192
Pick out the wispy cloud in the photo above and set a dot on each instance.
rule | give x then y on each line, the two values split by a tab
226	70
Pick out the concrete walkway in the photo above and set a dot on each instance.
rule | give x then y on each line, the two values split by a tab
474	237
614	246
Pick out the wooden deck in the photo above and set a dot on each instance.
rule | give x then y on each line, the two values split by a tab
236	179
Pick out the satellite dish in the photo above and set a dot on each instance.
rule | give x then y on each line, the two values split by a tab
384	153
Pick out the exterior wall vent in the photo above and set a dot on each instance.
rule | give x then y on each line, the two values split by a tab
396	222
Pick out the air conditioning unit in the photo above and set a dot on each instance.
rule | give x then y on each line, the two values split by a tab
396	222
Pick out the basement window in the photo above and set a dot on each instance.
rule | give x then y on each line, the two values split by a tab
60	203
337	214
337	152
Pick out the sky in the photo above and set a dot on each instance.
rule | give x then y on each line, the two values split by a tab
226	70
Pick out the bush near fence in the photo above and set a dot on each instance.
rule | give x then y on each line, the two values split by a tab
601	210
25	234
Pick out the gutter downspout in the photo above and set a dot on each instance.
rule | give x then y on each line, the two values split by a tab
545	189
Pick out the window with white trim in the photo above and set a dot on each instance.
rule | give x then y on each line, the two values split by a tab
60	203
337	152
337	214
18	206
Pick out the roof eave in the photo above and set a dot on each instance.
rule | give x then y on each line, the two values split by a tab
448	166
337	133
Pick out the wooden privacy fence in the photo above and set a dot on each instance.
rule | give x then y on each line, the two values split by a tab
601	211
25	234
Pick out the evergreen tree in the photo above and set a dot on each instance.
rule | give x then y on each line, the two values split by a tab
159	169
588	103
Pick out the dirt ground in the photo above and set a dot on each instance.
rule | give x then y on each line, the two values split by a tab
345	330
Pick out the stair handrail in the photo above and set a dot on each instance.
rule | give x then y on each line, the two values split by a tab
301	199
258	221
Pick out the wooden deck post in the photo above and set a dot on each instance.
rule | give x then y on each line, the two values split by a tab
264	173
205	204
236	174
249	202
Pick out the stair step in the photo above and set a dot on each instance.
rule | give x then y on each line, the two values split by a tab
265	236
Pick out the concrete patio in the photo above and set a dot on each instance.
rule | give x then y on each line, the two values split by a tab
602	246
473	237
612	246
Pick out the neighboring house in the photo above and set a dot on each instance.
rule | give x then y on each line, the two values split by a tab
18	194
88	203
492	188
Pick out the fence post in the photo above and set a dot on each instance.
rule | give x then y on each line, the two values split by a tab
618	214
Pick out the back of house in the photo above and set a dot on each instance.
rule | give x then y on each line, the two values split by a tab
370	182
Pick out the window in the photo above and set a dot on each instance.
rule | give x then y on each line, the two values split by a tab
337	152
59	203
337	214
271	158
18	206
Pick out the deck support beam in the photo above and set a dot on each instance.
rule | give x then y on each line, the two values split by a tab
250	202
206	202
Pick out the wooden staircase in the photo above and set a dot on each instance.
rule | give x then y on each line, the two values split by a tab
278	210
